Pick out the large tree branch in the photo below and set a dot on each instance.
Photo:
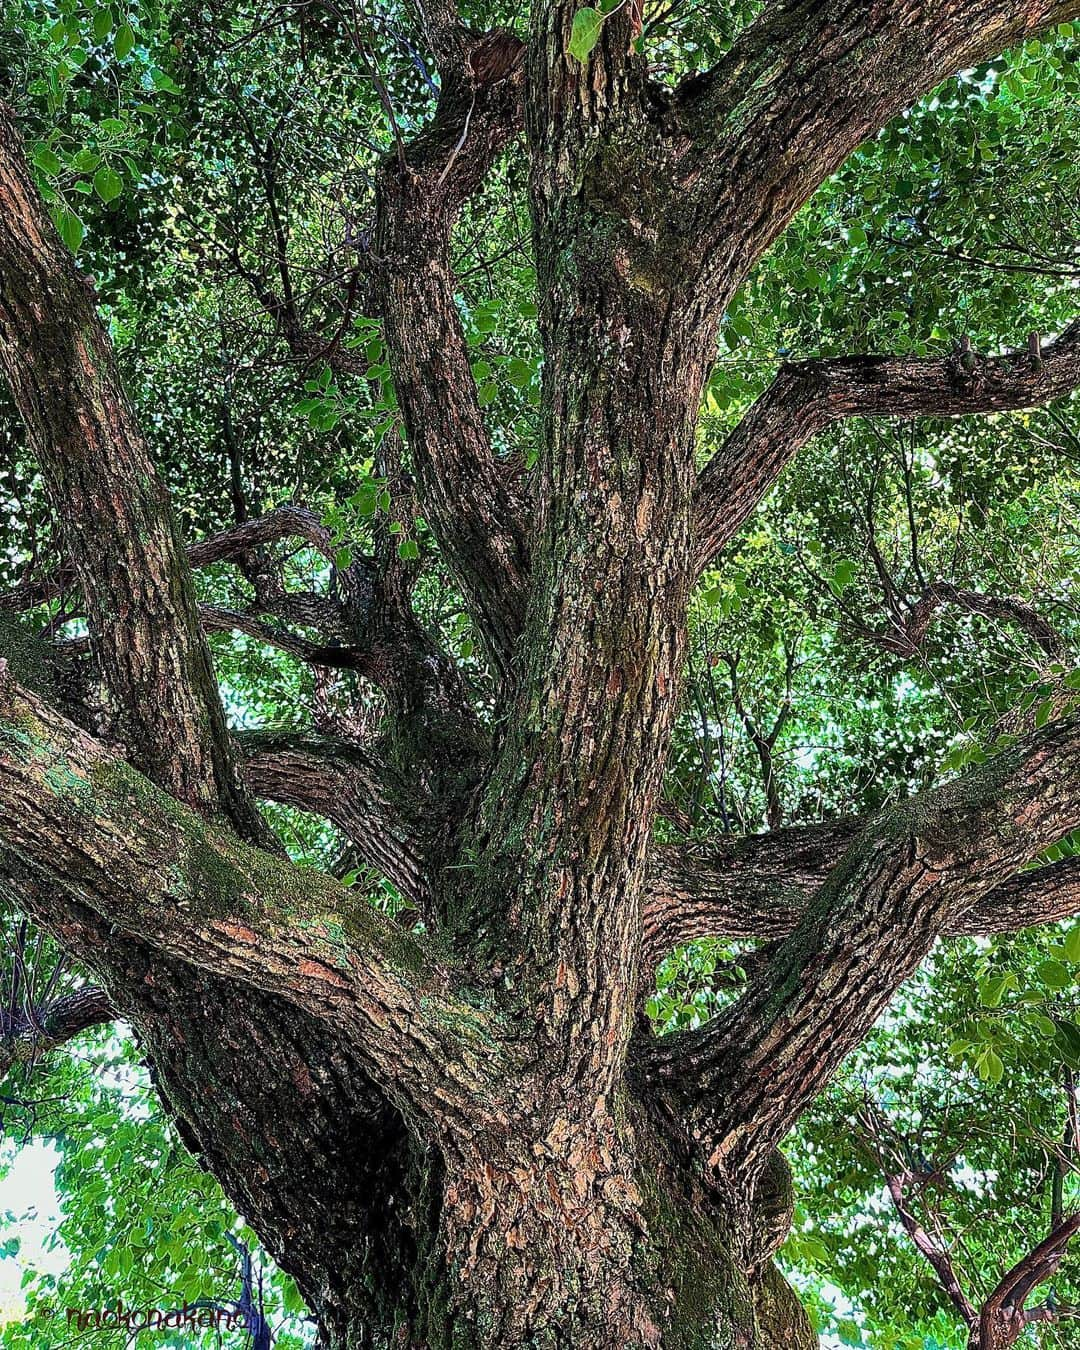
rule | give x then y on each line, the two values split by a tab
806	83
333	656
284	522
761	885
744	1079
74	818
119	529
466	496
229	1058
368	626
807	396
1003	1317
909	622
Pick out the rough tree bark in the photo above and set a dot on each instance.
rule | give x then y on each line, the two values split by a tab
468	1138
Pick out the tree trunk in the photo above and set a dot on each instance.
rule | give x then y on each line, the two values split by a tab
600	1239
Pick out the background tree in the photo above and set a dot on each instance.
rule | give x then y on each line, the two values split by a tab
418	317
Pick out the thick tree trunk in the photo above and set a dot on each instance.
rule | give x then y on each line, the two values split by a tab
598	1240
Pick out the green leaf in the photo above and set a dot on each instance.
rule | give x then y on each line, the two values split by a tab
844	575
1067	1043
124	42
165	83
47	160
103	22
519	373
990	1066
585	32
992	989
1072	943
72	230
108	184
408	549
1054	974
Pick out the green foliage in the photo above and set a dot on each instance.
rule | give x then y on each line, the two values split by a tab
139	1219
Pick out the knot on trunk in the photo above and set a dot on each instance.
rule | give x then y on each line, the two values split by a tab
772	1209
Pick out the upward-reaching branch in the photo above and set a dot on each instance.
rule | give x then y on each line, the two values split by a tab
466	496
745	1078
117	522
806	83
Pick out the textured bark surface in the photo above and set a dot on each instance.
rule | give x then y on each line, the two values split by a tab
463	1134
760	887
120	530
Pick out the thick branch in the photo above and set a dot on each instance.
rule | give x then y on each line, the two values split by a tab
118	524
348	785
1002	1318
289	521
234	1063
465	494
744	1079
909	625
760	887
368	626
1007	609
74	818
215	619
807	396
445	33
806	83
